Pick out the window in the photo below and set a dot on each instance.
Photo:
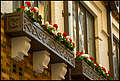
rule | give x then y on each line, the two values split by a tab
44	10
43	6
116	57
83	29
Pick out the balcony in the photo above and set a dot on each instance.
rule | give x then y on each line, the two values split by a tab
19	24
84	71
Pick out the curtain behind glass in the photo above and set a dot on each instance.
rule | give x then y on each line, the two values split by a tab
81	20
43	10
90	35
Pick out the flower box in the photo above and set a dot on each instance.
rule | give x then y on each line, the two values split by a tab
19	24
84	70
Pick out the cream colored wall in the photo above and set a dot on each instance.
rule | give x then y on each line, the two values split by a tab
99	12
6	6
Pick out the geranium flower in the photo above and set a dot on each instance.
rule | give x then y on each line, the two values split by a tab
79	53
91	58
103	69
28	4
50	23
50	28
70	40
64	34
45	26
34	10
109	72
66	39
107	78
22	7
56	26
97	64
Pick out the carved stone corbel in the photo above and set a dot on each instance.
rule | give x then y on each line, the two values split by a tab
41	60
58	71
20	47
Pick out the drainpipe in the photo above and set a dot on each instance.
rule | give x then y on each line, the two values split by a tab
110	39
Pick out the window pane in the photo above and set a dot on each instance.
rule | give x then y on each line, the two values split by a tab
16	4
90	35
44	10
81	20
115	59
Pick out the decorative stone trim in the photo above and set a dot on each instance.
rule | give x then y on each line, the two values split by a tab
20	47
83	69
18	24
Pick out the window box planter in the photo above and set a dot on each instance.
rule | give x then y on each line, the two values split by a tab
82	69
19	24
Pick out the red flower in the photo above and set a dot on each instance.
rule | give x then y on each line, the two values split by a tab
106	74
45	26
94	66
92	58
109	72
107	78
56	26
23	7
64	34
103	69
50	28
34	10
73	43
50	23
79	53
28	4
66	38
70	40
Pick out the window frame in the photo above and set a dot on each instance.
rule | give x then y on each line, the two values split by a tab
85	28
116	41
36	5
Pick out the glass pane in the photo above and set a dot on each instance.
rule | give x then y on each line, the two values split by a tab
44	10
90	35
16	4
115	59
115	66
81	20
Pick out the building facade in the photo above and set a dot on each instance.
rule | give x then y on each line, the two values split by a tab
92	25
